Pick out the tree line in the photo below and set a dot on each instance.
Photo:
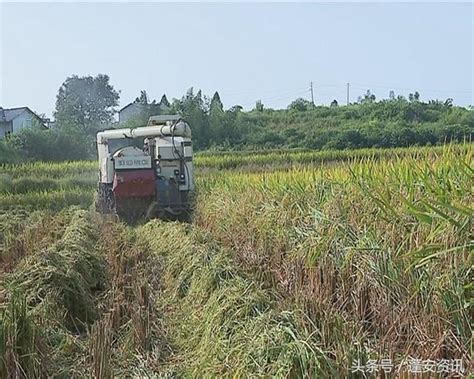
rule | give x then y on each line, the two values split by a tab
87	104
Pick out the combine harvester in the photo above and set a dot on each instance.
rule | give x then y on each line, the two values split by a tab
146	172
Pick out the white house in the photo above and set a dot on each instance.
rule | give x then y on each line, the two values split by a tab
15	119
138	112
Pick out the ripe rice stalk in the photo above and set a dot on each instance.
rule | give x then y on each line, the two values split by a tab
101	348
325	236
70	268
20	349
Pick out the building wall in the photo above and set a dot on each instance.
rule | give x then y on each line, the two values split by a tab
18	119
22	121
132	112
5	127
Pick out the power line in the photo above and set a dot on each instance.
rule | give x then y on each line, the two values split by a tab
277	95
255	93
248	91
286	97
273	99
364	86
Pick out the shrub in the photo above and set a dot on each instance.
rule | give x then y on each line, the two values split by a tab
52	145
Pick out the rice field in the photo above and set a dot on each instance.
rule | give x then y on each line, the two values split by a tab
296	264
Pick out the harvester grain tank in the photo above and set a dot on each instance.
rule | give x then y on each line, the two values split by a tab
146	171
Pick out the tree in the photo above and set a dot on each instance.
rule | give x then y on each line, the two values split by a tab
142	99
391	95
448	103
259	106
193	108
412	97
164	102
216	104
83	102
334	103
218	134
236	109
300	105
368	97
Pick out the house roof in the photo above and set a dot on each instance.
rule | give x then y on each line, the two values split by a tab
138	105
126	106
6	115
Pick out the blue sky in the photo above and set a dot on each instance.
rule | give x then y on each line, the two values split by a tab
246	51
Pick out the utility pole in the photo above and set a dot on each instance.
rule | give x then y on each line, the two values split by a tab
312	95
347	93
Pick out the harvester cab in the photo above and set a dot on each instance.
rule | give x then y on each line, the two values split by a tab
146	171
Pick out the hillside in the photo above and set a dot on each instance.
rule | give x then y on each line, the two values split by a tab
381	124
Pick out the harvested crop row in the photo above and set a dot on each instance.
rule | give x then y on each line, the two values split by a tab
218	321
23	232
82	306
126	341
48	302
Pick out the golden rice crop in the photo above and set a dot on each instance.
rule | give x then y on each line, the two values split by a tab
295	264
49	169
260	160
378	253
